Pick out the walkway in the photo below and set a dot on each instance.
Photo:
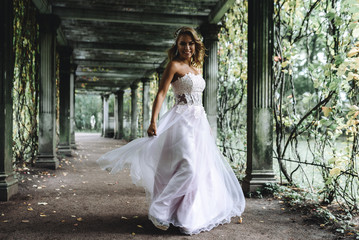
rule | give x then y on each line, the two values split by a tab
80	201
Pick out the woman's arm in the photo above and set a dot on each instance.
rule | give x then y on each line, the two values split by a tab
165	82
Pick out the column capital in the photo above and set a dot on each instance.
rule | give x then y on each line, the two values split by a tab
73	68
105	96
65	51
48	23
160	70
146	80
121	91
134	86
210	31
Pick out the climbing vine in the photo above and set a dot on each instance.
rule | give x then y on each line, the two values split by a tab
232	87
26	83
315	96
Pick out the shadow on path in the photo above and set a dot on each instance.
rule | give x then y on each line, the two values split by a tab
80	201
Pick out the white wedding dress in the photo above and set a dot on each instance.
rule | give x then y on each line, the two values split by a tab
187	180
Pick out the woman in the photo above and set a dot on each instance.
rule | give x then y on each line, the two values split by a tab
188	182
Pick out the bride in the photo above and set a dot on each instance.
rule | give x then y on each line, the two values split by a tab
188	182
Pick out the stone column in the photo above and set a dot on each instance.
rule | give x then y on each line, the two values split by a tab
102	128
133	111
210	74
163	109
146	105
259	106
119	115
8	184
106	123
72	105
47	116
64	147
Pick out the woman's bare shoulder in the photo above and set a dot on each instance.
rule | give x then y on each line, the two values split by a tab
174	65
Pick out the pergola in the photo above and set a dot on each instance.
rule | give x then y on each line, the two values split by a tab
108	46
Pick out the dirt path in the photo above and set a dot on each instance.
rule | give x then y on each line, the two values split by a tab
80	201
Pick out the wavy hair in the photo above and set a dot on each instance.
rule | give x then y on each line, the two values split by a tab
197	58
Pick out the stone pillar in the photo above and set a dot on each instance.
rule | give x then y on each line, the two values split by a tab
8	184
102	128
146	105
72	105
119	115
106	117
259	107
210	74
163	109
47	116
133	111
64	147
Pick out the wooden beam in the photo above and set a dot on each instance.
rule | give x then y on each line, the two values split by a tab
114	64
122	47
60	37
42	5
129	17
104	75
220	9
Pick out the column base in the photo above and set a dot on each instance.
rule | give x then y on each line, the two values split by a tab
118	136
255	181
108	134
47	161
8	187
64	150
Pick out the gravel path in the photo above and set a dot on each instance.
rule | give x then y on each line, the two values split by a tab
80	201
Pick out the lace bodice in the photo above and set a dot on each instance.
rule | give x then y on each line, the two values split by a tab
188	89
188	93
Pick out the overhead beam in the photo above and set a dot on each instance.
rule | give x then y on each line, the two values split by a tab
42	5
60	37
220	9
121	47
129	17
114	64
111	74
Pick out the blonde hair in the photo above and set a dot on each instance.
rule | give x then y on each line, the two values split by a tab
197	58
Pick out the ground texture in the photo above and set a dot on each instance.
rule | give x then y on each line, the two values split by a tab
80	201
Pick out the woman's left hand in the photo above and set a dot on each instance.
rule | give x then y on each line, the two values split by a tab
152	130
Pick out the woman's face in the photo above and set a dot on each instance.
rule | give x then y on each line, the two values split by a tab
186	46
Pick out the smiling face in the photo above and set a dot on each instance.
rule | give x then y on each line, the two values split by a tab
186	47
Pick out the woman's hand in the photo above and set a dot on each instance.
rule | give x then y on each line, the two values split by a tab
152	130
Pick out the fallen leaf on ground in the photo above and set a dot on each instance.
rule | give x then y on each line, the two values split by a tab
5	221
140	226
79	219
133	234
65	173
63	221
42	203
135	217
25	221
240	220
43	215
30	209
73	216
124	217
76	224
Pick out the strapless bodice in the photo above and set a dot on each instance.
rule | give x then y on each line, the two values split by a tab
188	89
